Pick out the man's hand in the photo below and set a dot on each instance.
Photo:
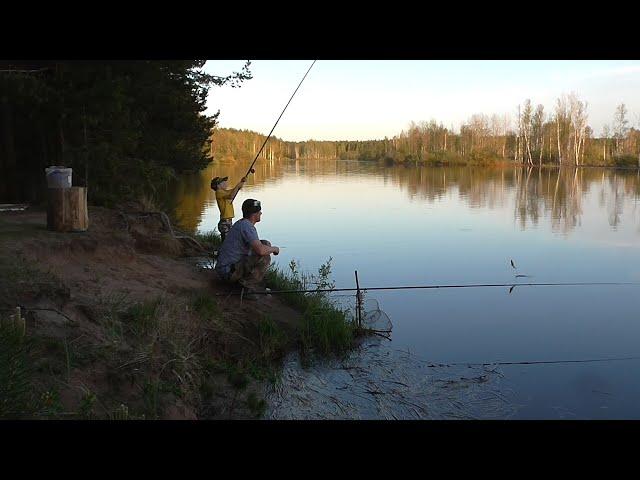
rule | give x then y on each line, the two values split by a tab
252	171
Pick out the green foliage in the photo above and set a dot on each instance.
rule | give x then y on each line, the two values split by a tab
206	306
110	311
433	144
209	240
142	318
443	157
50	404
21	279
150	394
87	405
16	400
483	156
626	161
126	126
121	412
326	329
271	339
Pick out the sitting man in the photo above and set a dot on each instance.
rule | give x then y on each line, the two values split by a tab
243	257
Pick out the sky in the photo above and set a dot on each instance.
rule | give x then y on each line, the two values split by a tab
373	99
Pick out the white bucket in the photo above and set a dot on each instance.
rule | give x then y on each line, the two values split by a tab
58	177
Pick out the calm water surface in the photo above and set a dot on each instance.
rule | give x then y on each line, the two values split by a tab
450	225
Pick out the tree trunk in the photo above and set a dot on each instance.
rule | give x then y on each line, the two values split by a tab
7	167
528	144
541	150
67	209
559	150
86	148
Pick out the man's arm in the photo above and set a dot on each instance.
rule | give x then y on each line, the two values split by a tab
261	249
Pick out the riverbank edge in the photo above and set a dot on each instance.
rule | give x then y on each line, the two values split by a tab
176	350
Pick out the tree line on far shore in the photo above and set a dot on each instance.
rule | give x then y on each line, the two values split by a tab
532	137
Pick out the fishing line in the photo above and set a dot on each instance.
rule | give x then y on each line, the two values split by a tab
412	287
536	362
274	126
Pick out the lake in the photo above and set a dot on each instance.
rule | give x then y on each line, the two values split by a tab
416	225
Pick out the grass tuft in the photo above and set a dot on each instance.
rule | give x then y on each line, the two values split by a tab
206	307
16	399
210	240
326	330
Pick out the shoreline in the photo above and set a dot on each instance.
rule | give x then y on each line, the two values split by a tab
117	325
431	163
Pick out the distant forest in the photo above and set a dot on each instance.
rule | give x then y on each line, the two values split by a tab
533	137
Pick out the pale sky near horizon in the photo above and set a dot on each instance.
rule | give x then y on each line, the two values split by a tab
371	99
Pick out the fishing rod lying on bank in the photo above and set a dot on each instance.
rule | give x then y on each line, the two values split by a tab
251	170
411	287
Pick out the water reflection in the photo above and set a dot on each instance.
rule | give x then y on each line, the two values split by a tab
558	193
411	225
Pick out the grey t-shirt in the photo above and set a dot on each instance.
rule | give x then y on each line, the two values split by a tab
237	244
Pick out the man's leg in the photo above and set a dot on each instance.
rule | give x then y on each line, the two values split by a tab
250	271
261	265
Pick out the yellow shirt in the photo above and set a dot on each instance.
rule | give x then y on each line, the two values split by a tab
223	197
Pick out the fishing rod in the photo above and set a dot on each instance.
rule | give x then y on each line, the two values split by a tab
412	287
274	126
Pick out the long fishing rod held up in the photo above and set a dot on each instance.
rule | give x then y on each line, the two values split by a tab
274	126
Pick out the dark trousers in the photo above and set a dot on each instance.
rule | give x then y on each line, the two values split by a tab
251	269
224	225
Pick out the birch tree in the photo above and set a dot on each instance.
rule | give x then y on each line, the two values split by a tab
606	135
578	122
537	131
527	115
561	121
620	125
518	136
506	126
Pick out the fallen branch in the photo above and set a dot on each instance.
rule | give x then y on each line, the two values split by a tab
167	225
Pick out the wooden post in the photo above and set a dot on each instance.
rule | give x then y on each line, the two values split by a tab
67	209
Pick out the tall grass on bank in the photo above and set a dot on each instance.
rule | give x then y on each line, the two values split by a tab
210	240
177	347
326	329
16	391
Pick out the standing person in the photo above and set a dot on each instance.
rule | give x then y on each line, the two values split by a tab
225	198
243	257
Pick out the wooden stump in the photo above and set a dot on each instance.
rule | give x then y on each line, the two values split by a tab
67	209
